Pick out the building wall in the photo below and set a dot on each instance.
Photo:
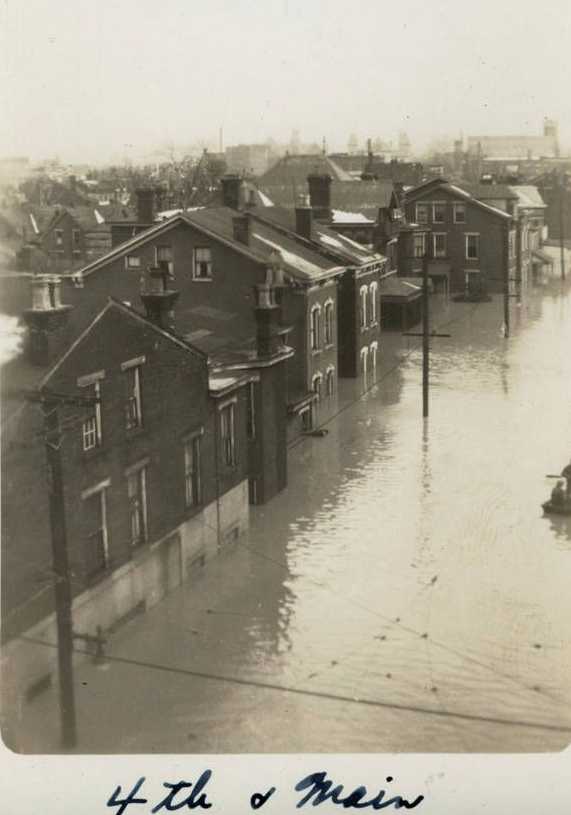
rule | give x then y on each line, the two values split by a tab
352	336
68	252
159	443
268	450
493	242
134	587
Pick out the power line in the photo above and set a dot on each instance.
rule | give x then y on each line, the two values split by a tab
320	694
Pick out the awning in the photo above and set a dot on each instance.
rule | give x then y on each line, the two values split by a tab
543	257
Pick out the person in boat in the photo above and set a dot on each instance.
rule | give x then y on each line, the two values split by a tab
566	474
558	494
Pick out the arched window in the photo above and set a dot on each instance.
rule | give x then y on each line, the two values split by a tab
315	328
373	348
364	360
373	311
328	328
363	306
330	382
317	384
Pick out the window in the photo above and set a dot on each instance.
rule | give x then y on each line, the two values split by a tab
422	213
251	418
363	306
315	328
91	425
459	213
329	322
330	382
306	419
137	503
373	352
58	236
316	385
364	355
439	244
132	262
202	264
373	303
419	244
472	246
94	517
193	496
76	240
227	437
163	258
439	212
133	405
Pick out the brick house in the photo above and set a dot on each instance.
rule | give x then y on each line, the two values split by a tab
218	256
472	244
158	475
359	300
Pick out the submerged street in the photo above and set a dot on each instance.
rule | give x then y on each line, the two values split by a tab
404	593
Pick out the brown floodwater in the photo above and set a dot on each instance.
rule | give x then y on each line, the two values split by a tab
405	593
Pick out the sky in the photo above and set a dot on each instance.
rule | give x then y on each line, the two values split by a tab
94	80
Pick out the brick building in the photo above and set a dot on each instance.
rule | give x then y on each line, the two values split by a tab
472	245
158	474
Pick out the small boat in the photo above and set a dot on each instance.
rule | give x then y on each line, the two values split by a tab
557	509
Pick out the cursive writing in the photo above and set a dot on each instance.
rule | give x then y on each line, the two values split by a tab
321	789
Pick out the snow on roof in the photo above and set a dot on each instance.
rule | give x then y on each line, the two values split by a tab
346	244
169	213
340	216
98	217
34	224
291	259
529	196
220	383
267	202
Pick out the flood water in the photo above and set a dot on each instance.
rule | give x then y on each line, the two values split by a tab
405	593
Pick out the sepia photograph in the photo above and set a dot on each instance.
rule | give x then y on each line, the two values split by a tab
285	377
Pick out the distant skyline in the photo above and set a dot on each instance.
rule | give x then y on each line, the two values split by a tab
103	81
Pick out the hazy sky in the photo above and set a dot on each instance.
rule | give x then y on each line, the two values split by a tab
83	78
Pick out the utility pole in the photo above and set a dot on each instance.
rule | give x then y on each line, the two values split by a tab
426	334
50	401
561	224
62	586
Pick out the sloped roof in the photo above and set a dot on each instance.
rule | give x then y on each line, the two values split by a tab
348	251
529	196
400	289
293	170
300	260
362	197
491	192
460	192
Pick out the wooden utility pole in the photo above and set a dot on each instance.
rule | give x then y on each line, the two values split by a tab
561	225
62	586
426	334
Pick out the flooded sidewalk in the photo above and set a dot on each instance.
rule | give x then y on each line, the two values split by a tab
404	593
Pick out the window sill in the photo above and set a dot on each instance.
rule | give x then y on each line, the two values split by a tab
202	279
316	351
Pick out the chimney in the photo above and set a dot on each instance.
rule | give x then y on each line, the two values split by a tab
269	331
250	198
320	195
158	299
303	218
47	321
145	205
241	225
231	191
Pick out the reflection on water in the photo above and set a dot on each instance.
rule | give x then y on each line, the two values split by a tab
406	588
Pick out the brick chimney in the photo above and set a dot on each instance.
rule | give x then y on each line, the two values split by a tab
269	331
158	299
232	191
320	195
303	218
241	225
145	205
47	321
